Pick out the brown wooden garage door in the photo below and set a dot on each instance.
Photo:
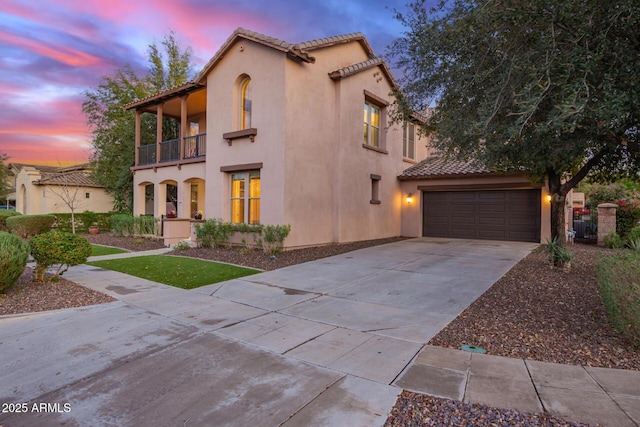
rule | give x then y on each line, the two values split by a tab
492	214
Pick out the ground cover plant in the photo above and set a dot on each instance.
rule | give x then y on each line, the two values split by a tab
619	277
98	250
181	272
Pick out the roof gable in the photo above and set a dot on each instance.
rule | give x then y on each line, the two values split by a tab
292	50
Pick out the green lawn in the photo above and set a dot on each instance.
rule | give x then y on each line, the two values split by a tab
97	250
181	272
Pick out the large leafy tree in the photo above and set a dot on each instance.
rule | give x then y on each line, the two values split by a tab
547	87
113	128
5	185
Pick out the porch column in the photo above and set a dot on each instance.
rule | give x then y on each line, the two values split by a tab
139	199
184	199
606	221
160	196
183	124
137	138
158	131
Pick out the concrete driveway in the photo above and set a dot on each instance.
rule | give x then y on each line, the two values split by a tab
312	344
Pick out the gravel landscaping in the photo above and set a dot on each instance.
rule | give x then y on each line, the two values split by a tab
542	313
418	410
533	312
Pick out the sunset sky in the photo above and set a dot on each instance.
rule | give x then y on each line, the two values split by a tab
53	51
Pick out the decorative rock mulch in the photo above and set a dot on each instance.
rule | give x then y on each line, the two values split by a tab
419	410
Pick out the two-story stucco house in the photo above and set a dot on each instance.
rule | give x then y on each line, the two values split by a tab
279	133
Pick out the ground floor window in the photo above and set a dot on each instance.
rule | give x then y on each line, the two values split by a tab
245	197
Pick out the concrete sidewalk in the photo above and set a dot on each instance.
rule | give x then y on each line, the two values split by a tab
610	397
327	342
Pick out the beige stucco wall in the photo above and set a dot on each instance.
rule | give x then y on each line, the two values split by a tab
328	185
265	67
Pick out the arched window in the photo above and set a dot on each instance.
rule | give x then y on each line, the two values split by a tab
245	103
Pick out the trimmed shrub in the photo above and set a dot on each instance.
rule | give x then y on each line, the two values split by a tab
129	225
273	238
27	226
620	291
13	258
613	241
627	217
3	218
214	232
58	247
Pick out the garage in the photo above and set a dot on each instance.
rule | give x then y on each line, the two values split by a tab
512	215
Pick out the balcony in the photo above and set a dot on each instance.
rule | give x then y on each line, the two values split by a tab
195	149
147	154
195	146
170	150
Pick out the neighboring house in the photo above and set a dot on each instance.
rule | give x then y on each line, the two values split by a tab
49	189
279	133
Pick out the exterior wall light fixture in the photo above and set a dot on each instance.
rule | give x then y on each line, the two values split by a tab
548	197
410	198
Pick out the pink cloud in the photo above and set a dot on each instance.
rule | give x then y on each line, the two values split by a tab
66	55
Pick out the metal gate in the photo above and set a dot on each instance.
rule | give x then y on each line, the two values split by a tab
585	225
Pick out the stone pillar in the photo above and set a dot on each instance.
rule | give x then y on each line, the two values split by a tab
606	221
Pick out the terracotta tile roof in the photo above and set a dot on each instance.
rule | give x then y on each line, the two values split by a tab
19	166
330	41
75	178
438	167
356	68
65	175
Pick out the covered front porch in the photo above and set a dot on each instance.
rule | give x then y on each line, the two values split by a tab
179	118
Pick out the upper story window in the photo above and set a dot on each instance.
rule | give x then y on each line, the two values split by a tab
374	122
245	103
371	124
409	141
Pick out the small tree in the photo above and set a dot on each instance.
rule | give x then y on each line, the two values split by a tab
5	185
113	128
68	190
58	248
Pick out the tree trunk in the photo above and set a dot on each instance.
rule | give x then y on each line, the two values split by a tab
558	196
558	218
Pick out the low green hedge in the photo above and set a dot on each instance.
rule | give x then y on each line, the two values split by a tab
619	278
83	221
13	258
129	225
27	226
216	232
3	218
